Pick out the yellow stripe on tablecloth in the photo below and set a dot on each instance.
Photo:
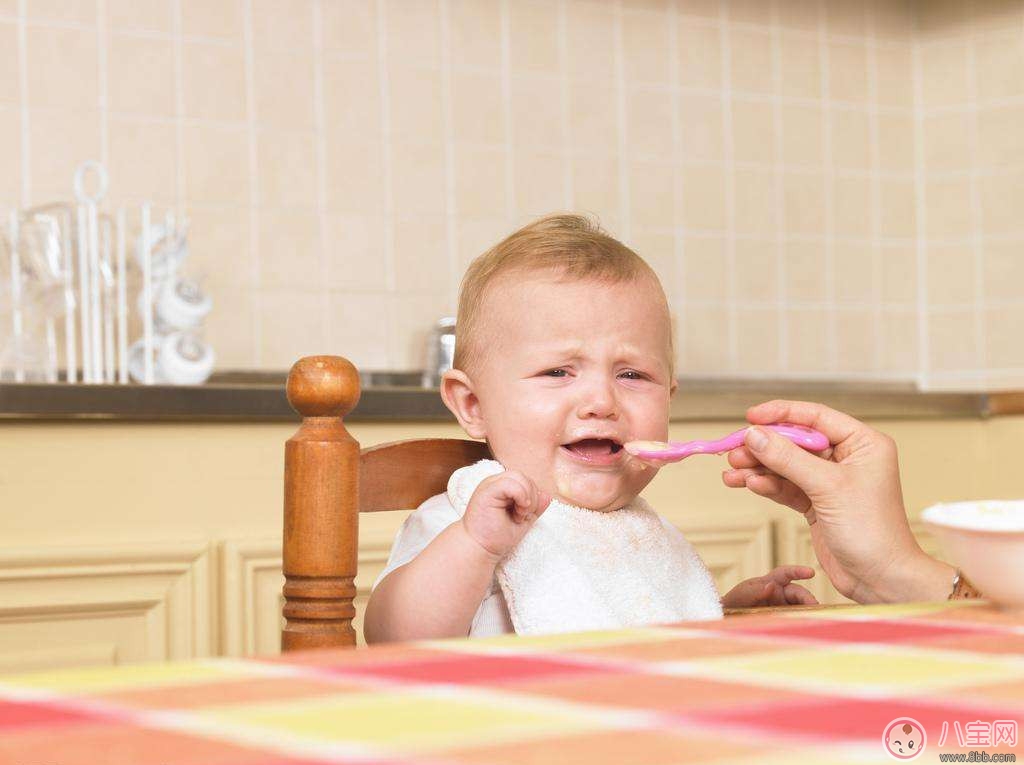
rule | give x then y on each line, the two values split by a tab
94	679
556	642
881	610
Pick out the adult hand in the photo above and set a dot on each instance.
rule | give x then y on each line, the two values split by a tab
850	494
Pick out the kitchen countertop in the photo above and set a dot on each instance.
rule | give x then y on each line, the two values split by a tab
399	396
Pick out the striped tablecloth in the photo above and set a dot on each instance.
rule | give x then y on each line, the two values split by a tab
798	686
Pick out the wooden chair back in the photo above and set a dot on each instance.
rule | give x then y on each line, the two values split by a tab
328	481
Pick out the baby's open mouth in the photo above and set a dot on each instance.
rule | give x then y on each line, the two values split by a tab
594	449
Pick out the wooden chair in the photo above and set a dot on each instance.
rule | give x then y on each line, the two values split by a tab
328	481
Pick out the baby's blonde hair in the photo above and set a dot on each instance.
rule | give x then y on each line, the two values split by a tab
571	247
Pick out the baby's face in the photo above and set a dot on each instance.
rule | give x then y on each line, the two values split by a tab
570	371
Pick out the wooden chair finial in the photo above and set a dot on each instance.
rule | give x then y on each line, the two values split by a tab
323	386
321	506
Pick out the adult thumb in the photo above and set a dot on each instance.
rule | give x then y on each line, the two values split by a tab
780	455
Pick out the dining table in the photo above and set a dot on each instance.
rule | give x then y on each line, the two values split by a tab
814	685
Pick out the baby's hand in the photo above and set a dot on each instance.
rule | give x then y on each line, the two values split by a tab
773	589
502	509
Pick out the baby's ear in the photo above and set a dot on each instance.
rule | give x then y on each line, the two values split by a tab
459	396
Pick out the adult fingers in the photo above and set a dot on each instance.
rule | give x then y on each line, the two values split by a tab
778	490
834	424
811	473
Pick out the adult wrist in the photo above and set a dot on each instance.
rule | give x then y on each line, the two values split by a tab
915	577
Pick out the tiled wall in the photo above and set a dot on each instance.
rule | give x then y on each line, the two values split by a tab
971	112
342	161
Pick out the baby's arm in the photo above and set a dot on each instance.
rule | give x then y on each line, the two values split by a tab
437	593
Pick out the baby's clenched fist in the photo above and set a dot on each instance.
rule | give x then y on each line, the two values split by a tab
502	509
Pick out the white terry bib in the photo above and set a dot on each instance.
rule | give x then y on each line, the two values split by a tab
578	569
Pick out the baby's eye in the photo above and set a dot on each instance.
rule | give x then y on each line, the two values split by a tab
556	373
632	374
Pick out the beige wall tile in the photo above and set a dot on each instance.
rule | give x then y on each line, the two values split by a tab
213	81
357	328
950	275
896	149
652	202
808	340
1004	271
998	63
700	55
229	327
1004	348
899	208
857	341
944	73
758	341
411	318
900	347
852	200
220	249
851	139
476	236
475	33
591	38
10	156
539	182
804	272
59	142
649	124
854	273
354	252
354	175
143	159
800	65
478	107
289	250
1000	141
63	67
659	250
282	26
899	274
756	209
205	19
351	92
846	18
479	182
533	38
749	12
74	11
753	131
287	168
802	135
701	121
283	86
705	272
216	164
804	203
847	71
421	255
895	76
757	271
800	14
536	112
704	9
10	89
704	205
149	15
593	122
595	182
415	100
291	326
645	41
413	32
141	75
350	27
418	177
951	341
1001	203
9	7
705	347
941	15
751	62
948	208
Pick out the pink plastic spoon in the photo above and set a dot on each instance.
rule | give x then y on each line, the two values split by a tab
673	451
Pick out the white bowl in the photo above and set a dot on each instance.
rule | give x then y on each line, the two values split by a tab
986	540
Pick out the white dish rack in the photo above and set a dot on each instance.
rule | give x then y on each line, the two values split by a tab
64	282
